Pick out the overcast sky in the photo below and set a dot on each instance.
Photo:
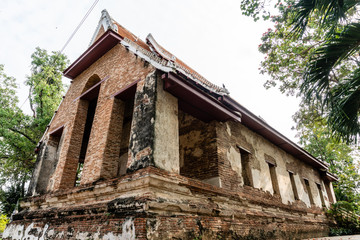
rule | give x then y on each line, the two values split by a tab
212	37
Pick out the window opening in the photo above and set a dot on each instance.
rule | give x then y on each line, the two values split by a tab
321	194
87	130
79	173
198	149
90	95
86	137
293	186
245	167
55	137
274	180
328	191
309	191
127	97
125	135
50	160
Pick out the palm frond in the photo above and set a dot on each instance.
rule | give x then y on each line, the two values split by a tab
344	114
301	19
332	11
317	77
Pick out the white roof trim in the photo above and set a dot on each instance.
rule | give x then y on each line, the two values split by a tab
106	22
196	77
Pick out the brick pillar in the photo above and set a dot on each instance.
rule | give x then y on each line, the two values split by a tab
65	173
102	156
142	135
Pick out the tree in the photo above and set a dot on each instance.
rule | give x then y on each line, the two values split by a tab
325	81
19	132
312	53
317	139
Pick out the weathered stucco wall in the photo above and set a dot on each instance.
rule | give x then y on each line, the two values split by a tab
232	136
166	149
46	162
154	204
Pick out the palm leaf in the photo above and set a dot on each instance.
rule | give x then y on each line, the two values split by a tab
344	114
317	77
340	96
330	11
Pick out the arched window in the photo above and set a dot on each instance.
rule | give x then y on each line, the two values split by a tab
88	100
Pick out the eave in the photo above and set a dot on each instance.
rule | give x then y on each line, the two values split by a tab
262	128
101	46
197	102
331	177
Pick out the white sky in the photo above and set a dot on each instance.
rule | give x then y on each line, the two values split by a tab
212	37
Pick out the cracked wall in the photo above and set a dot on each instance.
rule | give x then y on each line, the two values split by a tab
232	136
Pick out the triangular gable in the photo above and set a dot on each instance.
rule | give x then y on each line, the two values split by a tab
105	23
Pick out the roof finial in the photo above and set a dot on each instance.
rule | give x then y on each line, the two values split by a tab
106	22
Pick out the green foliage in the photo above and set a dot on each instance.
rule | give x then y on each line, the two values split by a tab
19	132
17	140
317	139
332	77
10	196
3	221
312	52
346	217
45	85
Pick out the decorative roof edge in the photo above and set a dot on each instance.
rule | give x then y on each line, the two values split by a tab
193	75
106	22
158	49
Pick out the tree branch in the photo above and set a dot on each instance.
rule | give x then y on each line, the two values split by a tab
21	133
31	103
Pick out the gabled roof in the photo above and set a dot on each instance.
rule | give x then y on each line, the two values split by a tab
155	47
182	81
106	23
151	47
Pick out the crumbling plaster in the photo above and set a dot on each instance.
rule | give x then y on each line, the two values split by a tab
162	205
237	135
166	149
33	232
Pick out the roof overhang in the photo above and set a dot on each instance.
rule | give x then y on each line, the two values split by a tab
262	128
127	92
196	102
101	46
330	177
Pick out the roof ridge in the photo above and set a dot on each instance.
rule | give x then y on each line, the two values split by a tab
151	45
105	22
180	65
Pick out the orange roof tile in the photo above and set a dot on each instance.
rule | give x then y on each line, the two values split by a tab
123	32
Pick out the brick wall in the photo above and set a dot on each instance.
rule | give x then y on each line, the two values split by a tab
154	204
120	68
197	146
232	135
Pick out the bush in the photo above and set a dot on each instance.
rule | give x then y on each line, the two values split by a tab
346	217
3	221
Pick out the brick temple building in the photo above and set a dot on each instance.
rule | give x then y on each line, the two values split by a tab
144	147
